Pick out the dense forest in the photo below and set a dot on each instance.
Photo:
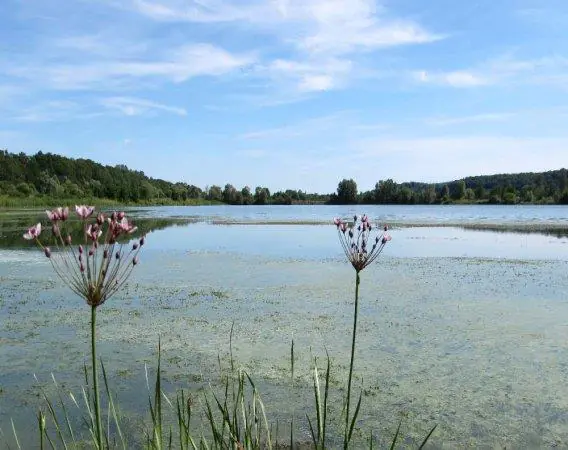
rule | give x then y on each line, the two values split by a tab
46	176
49	176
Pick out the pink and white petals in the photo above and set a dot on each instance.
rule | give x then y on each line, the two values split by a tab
33	232
58	214
84	211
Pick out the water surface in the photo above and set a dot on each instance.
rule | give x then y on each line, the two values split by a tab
458	327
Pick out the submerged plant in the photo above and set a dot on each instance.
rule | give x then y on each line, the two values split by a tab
94	269
362	243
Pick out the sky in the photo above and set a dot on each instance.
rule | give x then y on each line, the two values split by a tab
292	94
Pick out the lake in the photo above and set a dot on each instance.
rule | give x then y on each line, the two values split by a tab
463	318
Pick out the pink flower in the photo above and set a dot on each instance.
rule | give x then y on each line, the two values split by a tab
84	212
94	232
58	214
33	232
52	215
126	226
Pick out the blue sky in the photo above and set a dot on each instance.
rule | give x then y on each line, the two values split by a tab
289	93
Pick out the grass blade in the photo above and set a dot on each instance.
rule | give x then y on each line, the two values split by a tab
427	437
396	435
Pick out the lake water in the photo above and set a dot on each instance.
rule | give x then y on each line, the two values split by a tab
460	325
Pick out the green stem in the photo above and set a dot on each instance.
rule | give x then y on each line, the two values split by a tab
96	399
346	436
41	429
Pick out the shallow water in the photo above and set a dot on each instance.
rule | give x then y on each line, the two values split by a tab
461	328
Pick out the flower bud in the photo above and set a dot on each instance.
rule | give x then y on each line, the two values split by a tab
120	215
55	229
81	267
100	218
135	260
105	254
355	218
117	256
134	246
80	249
142	239
68	239
91	252
113	216
47	252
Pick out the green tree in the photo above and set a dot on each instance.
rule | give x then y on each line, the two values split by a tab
247	196
460	190
215	193
347	192
446	193
230	194
261	195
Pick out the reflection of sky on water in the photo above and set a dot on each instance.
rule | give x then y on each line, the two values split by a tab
434	214
317	242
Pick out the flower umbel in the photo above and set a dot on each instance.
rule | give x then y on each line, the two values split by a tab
90	272
359	247
86	268
361	250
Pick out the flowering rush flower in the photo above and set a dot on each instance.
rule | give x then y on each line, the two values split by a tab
357	242
99	266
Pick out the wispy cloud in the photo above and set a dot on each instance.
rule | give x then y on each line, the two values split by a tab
131	106
500	70
177	65
458	79
55	111
324	35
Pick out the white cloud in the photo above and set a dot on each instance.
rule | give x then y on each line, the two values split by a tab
330	26
456	79
55	111
308	76
501	70
324	34
131	106
177	65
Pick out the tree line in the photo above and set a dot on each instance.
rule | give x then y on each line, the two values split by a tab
545	187
54	176
47	175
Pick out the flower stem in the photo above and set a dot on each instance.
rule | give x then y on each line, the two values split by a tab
96	399
346	436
